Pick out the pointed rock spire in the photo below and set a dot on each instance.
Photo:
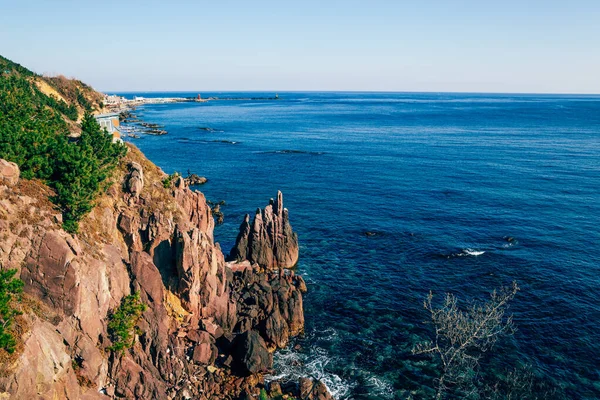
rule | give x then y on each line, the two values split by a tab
270	240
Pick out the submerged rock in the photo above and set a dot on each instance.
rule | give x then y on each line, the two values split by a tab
269	241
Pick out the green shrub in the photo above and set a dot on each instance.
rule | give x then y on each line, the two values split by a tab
122	322
263	395
10	287
168	181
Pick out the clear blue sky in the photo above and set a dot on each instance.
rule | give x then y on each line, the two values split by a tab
394	45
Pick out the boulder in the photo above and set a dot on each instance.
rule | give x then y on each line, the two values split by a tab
313	390
269	241
250	354
9	173
205	353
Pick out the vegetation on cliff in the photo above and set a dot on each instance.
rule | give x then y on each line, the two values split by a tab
121	323
10	287
35	135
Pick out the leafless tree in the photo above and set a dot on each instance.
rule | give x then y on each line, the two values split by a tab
461	337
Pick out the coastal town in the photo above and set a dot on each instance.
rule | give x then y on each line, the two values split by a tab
116	103
118	109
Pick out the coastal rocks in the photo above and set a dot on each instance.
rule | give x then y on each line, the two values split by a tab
313	390
270	303
250	353
304	388
193	179
269	241
9	173
209	328
134	182
202	277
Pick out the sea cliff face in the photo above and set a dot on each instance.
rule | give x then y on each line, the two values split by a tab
209	327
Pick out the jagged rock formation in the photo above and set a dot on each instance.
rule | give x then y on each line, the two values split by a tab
269	241
209	326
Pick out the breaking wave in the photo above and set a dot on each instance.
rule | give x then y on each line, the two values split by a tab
471	252
292	365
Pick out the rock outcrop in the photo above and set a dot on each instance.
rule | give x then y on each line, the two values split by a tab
251	354
209	328
269	240
195	180
134	183
9	173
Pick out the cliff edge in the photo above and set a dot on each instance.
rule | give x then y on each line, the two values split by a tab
207	328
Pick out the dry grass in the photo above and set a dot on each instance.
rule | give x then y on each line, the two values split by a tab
68	89
38	190
48	90
156	199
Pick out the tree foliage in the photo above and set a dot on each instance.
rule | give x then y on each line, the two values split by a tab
169	180
34	135
10	287
122	322
461	337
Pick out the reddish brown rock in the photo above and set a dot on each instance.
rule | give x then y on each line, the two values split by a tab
205	353
134	182
250	354
269	241
313	390
49	275
9	173
44	369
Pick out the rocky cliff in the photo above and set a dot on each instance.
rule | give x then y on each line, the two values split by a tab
209	328
269	241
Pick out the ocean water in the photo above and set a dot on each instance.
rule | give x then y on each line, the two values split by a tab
443	180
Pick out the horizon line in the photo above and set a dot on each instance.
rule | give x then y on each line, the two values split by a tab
347	91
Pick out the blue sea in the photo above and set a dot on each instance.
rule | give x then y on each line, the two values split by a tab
463	193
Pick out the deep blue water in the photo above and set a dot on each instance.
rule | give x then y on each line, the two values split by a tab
440	178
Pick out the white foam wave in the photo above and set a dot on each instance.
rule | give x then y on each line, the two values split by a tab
291	365
381	388
471	252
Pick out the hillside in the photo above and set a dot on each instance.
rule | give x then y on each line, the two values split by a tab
70	97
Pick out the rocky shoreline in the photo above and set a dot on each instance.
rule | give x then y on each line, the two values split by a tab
209	327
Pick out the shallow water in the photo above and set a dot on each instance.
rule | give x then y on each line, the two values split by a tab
442	179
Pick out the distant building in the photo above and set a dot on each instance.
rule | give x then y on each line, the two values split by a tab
113	100
111	123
